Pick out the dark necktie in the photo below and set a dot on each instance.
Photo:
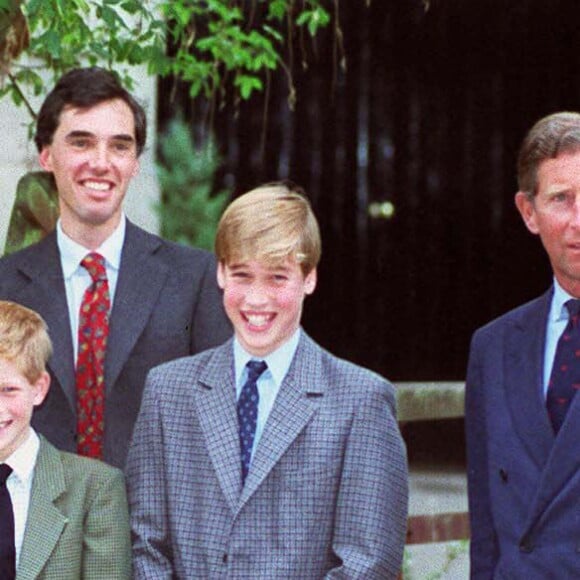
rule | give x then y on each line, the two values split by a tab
7	549
90	371
565	378
248	413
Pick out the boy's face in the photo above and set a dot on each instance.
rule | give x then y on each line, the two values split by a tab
93	156
18	398
264	302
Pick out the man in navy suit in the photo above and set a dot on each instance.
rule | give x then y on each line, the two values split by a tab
522	438
164	300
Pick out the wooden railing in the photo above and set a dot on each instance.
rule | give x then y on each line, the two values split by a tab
433	401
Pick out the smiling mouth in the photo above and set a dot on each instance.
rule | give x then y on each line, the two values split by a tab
259	320
97	185
4	424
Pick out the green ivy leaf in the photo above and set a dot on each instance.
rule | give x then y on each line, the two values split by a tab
277	9
247	85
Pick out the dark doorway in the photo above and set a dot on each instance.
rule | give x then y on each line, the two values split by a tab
426	119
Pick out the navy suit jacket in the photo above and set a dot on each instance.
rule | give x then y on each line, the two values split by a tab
524	483
167	304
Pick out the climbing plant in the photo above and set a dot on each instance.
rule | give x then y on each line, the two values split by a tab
208	44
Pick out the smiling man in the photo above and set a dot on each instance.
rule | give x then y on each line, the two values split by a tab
117	300
522	409
267	457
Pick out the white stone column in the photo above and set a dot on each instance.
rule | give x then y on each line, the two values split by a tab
18	156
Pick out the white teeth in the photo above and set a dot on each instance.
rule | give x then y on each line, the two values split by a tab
257	319
99	186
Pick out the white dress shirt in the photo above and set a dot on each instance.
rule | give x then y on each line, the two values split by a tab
269	381
557	320
19	484
77	279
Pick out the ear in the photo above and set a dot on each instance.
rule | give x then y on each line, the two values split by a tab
45	158
41	388
310	282
221	275
527	210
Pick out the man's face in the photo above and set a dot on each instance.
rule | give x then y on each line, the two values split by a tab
554	214
93	157
18	397
264	302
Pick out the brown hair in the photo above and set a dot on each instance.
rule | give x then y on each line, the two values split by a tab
272	222
24	339
83	88
550	137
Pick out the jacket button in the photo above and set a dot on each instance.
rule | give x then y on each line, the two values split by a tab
225	558
526	546
503	475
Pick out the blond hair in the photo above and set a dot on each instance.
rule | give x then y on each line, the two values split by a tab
272	222
554	135
24	339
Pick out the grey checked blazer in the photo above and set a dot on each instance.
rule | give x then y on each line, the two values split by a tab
326	495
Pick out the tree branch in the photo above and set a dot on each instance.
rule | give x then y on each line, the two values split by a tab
22	96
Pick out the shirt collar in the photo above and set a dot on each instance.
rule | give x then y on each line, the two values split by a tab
558	311
72	252
23	459
278	361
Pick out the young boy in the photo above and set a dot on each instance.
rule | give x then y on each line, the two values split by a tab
62	517
267	457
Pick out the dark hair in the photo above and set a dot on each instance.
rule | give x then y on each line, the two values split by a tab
84	88
554	135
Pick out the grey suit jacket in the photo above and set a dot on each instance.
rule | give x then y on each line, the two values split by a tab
78	521
166	305
326	495
524	483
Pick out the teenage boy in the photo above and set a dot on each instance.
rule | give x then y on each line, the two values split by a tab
267	457
117	300
62	517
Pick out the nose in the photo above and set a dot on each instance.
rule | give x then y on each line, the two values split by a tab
99	159
575	218
256	295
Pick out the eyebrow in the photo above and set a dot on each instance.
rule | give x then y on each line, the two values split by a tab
273	268
120	137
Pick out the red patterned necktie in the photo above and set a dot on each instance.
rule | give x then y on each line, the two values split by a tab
90	372
565	378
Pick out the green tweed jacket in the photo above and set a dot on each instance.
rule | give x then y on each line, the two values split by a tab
78	522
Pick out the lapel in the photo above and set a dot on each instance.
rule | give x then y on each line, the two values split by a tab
296	403
46	294
215	402
142	274
524	357
563	462
47	522
557	458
